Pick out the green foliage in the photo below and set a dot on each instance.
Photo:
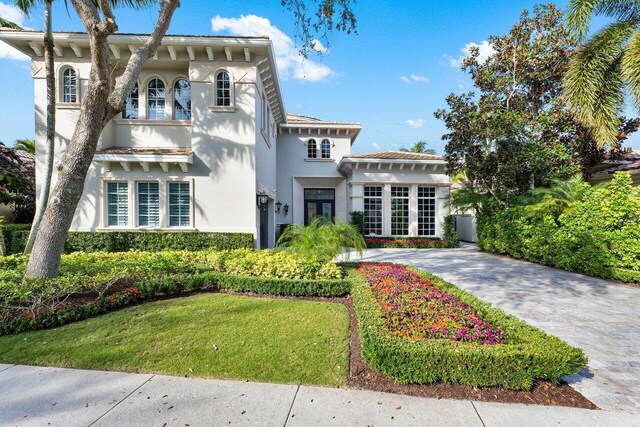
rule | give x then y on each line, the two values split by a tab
604	67
420	147
26	145
273	286
118	241
450	233
17	183
597	231
527	355
271	264
408	243
15	237
357	220
321	240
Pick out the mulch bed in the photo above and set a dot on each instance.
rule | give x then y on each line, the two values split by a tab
361	376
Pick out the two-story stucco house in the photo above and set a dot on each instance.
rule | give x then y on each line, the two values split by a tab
205	143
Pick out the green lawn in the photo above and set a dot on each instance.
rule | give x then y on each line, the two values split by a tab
208	335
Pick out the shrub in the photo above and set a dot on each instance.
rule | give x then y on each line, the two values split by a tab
357	220
321	240
597	233
450	233
526	355
408	242
273	286
15	237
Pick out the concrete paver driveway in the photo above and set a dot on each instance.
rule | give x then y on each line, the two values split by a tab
596	315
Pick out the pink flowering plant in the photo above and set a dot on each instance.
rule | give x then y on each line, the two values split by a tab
416	309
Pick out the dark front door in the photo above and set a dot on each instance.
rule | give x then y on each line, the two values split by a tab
264	229
319	202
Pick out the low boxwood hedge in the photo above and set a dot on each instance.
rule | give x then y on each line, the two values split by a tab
299	288
408	243
527	355
15	237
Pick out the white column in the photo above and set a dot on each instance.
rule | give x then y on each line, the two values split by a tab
386	210
413	210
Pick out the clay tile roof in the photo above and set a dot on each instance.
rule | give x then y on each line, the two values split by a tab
143	151
301	119
394	155
630	162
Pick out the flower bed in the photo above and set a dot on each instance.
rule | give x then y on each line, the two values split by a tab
414	308
408	242
426	356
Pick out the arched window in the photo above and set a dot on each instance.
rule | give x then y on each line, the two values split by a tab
131	106
69	85
325	149
182	100
223	89
155	100
312	149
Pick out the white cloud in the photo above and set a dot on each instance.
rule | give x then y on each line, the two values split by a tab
375	145
485	51
415	78
290	62
415	124
13	14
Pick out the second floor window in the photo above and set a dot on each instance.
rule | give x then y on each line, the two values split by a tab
312	149
182	100
156	95
69	85
131	105
223	89
325	148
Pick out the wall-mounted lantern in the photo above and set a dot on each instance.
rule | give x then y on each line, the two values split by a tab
262	200
286	209
278	207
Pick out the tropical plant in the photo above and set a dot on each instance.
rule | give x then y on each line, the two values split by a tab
8	24
105	98
557	198
322	239
357	219
17	183
419	147
604	66
26	145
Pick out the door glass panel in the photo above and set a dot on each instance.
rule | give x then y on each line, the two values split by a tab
319	194
326	210
311	211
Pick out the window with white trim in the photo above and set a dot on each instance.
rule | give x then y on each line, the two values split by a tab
373	210
148	204
400	211
426	211
223	89
179	204
312	149
156	96
131	105
182	100
325	149
117	204
69	85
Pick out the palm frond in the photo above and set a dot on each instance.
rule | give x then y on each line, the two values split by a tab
631	67
593	84
580	12
8	24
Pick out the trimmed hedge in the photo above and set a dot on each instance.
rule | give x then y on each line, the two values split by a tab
16	235
298	288
408	243
527	355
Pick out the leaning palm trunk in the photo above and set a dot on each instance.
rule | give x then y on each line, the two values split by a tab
51	128
100	104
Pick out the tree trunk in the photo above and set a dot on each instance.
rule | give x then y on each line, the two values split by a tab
51	128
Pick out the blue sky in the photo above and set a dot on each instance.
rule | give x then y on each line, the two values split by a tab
390	77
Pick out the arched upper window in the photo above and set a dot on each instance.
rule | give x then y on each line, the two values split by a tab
312	149
325	149
182	100
69	85
131	106
156	96
223	89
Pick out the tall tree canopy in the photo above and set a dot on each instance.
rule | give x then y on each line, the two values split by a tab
605	66
419	147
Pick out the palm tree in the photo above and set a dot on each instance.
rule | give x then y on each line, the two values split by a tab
557	198
8	24
27	145
419	147
604	66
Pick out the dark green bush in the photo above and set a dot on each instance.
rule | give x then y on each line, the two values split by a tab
357	220
527	355
153	241
259	285
598	235
450	232
15	237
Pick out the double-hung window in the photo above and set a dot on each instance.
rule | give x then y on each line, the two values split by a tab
400	211
148	204
312	149
117	204
69	85
426	211
131	105
373	210
179	204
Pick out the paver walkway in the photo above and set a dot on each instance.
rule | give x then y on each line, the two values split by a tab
601	317
35	396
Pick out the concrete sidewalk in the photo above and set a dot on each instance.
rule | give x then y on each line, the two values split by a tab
37	396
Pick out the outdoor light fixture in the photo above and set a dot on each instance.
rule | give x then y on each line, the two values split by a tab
278	206
286	210
262	200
